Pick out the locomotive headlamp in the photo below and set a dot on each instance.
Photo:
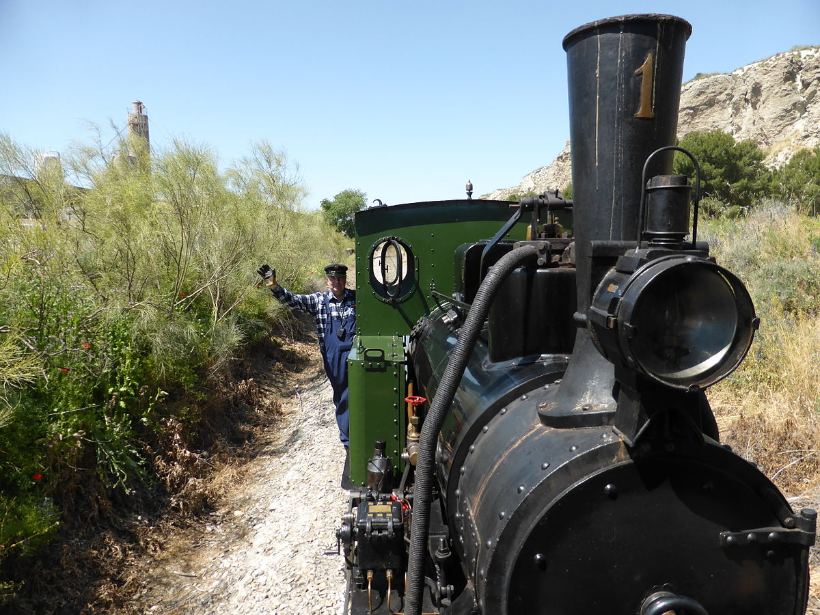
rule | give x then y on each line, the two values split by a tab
680	320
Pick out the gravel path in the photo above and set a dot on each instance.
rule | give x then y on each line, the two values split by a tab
266	550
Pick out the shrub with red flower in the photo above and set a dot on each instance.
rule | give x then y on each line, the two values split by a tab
37	477
63	370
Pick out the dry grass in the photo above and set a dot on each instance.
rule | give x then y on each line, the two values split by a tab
769	410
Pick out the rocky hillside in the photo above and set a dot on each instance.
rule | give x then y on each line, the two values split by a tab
774	102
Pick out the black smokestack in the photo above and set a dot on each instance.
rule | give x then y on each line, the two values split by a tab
624	91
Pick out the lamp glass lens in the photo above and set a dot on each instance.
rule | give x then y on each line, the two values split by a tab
685	323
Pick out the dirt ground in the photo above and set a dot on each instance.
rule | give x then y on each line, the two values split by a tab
270	545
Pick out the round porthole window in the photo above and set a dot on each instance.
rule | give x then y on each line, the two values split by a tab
392	269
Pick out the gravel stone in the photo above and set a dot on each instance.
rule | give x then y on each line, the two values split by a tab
273	547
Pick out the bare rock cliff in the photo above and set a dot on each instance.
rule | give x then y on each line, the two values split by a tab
774	102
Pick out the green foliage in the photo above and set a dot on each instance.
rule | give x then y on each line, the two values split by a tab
798	181
112	297
771	404
773	252
567	191
338	211
26	523
733	176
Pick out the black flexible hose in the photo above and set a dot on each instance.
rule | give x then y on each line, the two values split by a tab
423	490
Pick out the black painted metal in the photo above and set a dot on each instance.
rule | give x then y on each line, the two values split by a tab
609	148
471	263
485	389
532	314
667	216
695	200
500	234
619	293
541	515
439	408
662	603
609	144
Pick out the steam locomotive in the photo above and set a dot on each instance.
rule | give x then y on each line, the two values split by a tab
529	431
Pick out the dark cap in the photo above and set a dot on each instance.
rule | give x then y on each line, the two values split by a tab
336	270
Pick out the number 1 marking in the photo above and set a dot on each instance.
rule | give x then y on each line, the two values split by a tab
647	73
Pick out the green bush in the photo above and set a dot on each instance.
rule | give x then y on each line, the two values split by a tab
798	181
733	176
769	409
138	285
339	210
773	252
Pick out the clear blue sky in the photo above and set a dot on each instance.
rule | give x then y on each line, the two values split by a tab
404	100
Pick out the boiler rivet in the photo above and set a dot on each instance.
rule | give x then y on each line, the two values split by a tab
503	411
502	514
611	491
472	447
789	522
540	561
489	543
520	488
485	429
545	465
523	397
573	448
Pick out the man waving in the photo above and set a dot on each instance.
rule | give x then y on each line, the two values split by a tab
334	314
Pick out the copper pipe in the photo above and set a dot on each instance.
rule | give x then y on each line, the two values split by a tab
413	433
369	596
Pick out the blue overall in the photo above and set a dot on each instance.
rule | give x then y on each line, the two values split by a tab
334	356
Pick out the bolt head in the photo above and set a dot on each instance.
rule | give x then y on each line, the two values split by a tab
773	537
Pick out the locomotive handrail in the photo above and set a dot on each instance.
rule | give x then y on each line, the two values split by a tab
499	236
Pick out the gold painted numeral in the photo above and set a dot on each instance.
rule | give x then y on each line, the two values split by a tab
647	74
